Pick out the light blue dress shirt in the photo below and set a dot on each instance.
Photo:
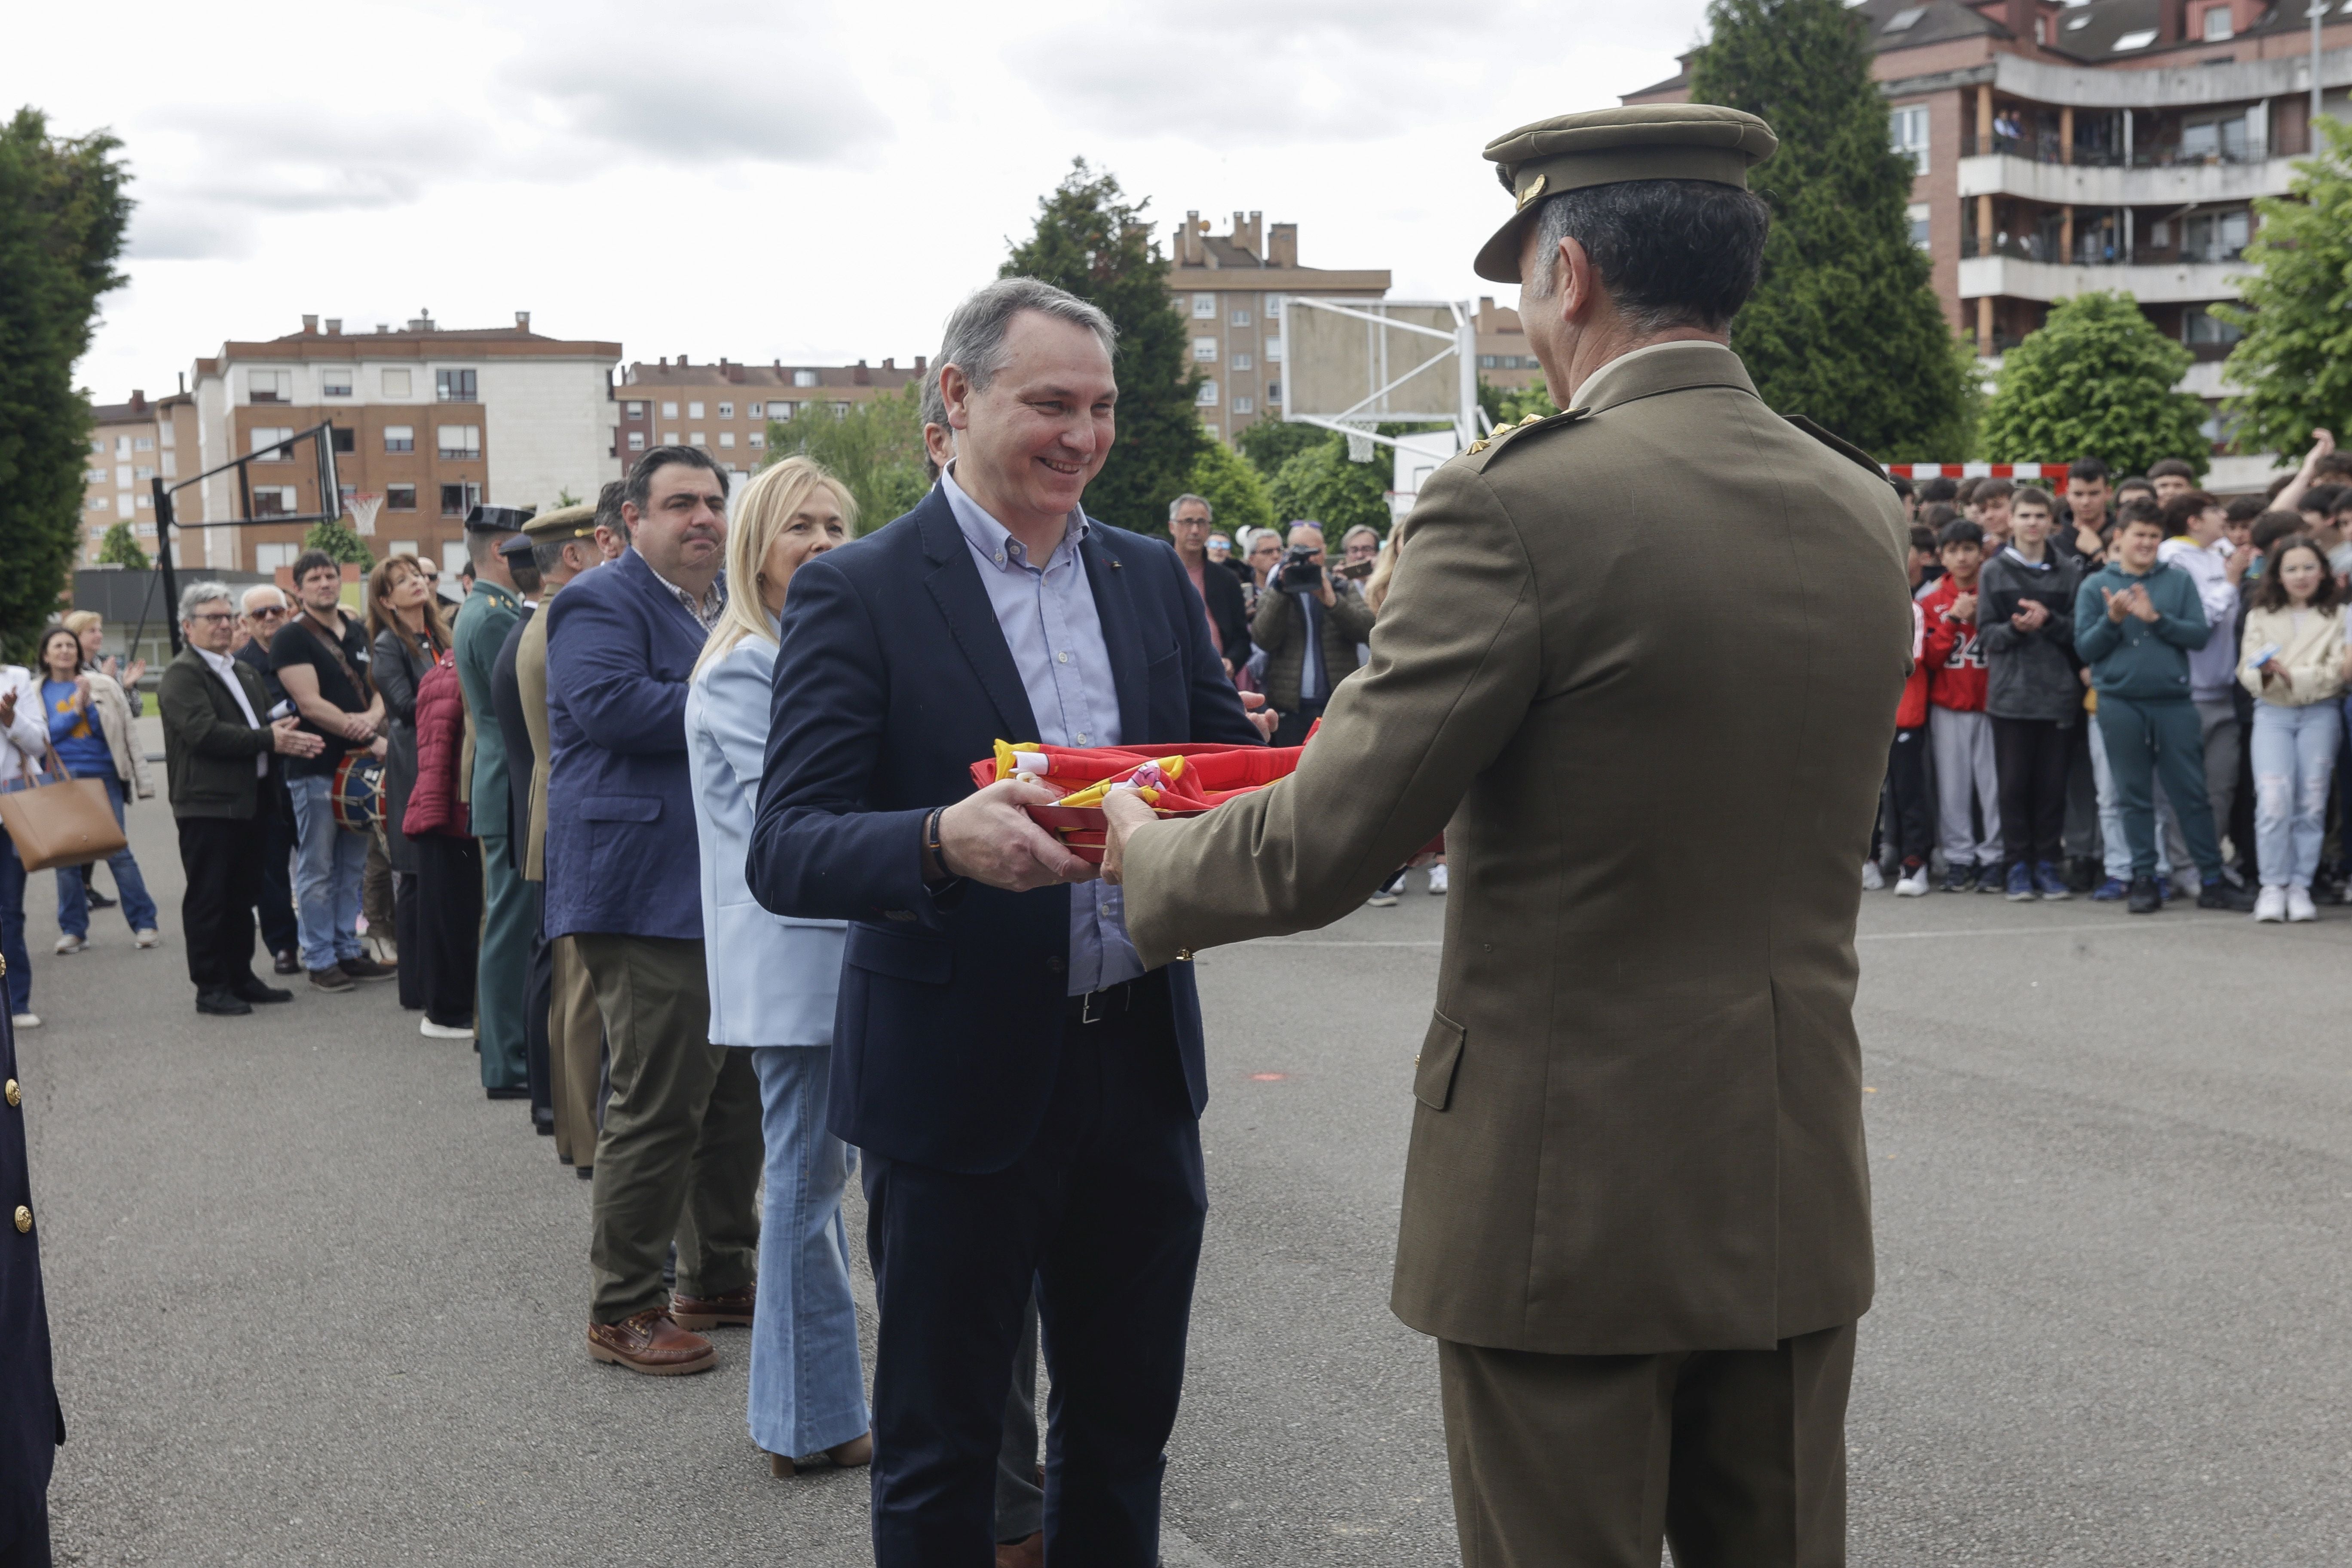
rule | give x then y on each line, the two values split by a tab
1048	617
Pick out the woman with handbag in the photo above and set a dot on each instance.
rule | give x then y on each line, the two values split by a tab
24	736
409	637
89	729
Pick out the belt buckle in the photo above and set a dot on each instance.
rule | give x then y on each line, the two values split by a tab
1086	1008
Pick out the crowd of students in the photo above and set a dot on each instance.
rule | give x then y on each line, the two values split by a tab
2134	690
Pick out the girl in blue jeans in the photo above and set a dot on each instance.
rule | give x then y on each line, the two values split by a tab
89	726
2293	658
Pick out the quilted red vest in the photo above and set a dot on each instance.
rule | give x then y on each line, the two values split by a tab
433	805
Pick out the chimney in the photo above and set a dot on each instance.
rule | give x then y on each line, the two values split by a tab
383	326
861	377
310	325
184	384
2171	21
334	326
665	362
522	321
1188	240
1282	247
889	365
919	364
138	401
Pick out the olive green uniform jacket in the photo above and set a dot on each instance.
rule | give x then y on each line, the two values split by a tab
1640	663
530	683
488	613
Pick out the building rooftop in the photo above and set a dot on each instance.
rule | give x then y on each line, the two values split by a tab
419	338
889	375
138	411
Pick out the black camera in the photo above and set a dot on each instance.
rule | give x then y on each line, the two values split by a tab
1299	572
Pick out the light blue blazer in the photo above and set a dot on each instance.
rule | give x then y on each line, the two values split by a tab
772	980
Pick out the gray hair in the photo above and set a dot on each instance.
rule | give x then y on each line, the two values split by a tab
1363	528
199	593
1670	253
974	343
1202	500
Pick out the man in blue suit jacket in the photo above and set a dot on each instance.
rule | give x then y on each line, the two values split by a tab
679	1154
1026	1097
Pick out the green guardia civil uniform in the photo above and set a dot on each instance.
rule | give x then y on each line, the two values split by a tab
1639	662
490	611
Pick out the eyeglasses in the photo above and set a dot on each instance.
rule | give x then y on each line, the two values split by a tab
268	613
217	616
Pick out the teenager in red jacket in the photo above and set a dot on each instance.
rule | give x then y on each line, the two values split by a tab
1910	805
1957	725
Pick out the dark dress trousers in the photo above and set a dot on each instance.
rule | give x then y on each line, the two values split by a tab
1011	1133
538	975
218	801
274	907
32	1424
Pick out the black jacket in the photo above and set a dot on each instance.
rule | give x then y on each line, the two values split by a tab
1222	592
2030	675
32	1425
208	747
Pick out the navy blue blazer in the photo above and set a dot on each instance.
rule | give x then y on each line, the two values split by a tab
891	681
31	1425
621	856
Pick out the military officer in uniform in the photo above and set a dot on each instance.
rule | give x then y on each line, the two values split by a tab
1640	664
31	1423
490	611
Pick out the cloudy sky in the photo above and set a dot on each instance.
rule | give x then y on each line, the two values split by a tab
778	180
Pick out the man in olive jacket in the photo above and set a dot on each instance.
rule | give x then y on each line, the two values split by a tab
1640	662
216	752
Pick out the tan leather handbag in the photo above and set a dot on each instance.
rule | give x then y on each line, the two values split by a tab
56	819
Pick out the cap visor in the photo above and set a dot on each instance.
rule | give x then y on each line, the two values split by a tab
1498	258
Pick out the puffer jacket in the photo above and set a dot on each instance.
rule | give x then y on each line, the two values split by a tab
432	803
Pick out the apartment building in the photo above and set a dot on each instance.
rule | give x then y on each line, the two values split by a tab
1504	360
130	444
1230	287
2113	144
431	419
724	408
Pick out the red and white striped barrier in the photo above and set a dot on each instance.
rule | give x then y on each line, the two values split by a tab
1977	470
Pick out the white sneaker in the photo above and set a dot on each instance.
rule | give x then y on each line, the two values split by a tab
1438	880
151	937
70	945
2298	904
1873	879
1914	885
1382	898
433	1031
2270	906
26	1020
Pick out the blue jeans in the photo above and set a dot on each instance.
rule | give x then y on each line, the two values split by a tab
808	1389
73	893
328	865
12	927
2294	757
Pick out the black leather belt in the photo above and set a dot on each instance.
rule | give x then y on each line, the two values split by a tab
1101	1007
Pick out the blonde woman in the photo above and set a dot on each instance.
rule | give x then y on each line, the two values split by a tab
773	982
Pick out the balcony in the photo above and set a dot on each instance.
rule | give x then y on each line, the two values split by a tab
2003	275
2147	185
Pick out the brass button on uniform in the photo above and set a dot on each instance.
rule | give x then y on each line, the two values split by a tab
16	1096
24	1219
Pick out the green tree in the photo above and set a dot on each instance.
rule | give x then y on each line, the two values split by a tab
1506	405
336	539
876	448
1844	326
1232	486
1092	241
1321	485
1270	443
2296	360
120	548
2096	380
62	216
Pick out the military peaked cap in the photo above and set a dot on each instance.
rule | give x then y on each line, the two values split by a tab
562	525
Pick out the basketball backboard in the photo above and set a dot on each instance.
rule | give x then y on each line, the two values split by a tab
1350	365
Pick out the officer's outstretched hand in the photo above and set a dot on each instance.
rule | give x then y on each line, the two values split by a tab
1127	812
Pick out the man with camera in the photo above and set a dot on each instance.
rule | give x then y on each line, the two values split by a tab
1309	624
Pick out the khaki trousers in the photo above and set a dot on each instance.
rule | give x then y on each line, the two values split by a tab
1734	1458
575	1050
680	1154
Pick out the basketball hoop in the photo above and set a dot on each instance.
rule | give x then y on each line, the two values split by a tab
365	505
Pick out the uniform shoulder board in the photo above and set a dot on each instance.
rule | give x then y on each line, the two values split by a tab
1533	422
1838	444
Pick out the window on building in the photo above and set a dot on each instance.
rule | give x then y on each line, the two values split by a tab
757	438
122	445
694	411
454	386
755	411
1274	392
2215	237
726	411
1917	212
346	440
669	438
1208	394
97	445
145	500
2218	27
93	476
697	438
636	440
122	507
459	440
142	443
726	439
143	473
2199	325
269	386
1204	350
1907	131
400	438
97	503
1274	350
804	378
334	383
669	410
269	442
2229	139
400	547
458	500
781	411
400	498
2135	40
395	383
171	465
636	411
123	476
270	557
1240	318
1902	21
167	437
274	500
841	411
1244	406
1205	307
1241	362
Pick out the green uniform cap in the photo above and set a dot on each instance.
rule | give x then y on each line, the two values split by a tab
1611	146
565	522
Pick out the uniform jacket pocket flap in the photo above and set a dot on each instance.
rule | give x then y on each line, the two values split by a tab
924	960
621	808
1441	1053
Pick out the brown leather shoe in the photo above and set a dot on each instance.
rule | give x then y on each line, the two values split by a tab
1029	1554
367	969
732	1309
651	1344
858	1450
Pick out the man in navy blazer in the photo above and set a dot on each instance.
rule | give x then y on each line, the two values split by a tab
680	1151
1025	1095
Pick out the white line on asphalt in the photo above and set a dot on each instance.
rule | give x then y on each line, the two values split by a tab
2112	927
1302	942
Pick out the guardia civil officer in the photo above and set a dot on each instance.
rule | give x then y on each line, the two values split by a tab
1640	663
491	610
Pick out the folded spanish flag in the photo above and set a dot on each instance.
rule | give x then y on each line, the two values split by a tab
1174	781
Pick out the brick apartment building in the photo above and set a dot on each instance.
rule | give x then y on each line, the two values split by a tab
1230	288
1504	358
2115	144
724	408
432	419
130	444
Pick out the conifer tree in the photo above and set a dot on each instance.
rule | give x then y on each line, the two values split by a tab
1844	327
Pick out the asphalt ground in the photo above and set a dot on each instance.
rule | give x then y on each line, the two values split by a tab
317	1302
